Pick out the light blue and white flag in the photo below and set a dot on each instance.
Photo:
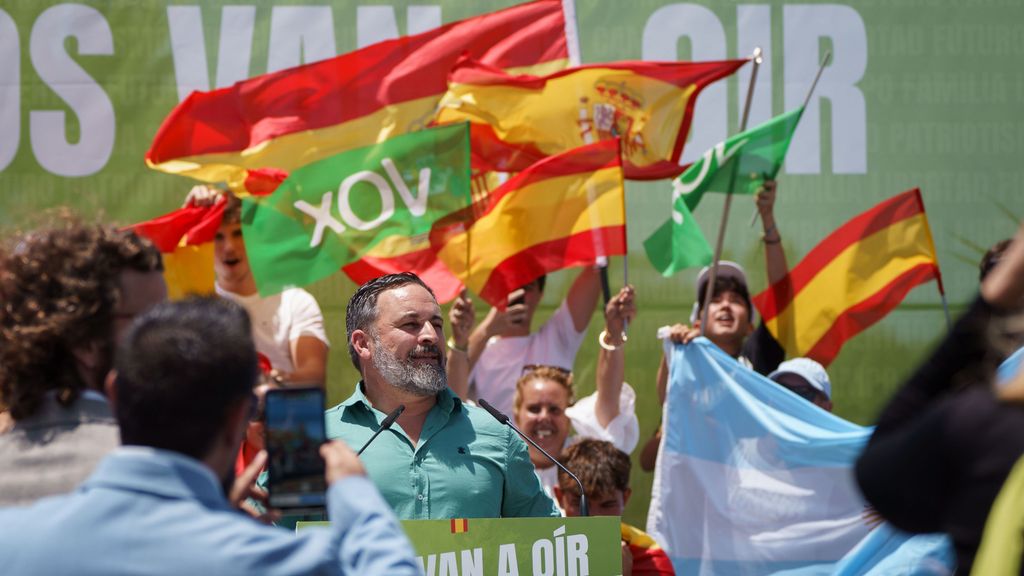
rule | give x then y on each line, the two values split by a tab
1010	367
753	479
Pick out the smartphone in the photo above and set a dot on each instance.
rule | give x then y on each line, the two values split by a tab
294	430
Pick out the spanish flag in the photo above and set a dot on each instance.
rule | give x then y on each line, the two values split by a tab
852	279
567	210
518	120
185	240
649	559
293	117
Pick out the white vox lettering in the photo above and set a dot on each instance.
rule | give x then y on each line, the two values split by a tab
321	216
418	205
323	219
719	155
387	200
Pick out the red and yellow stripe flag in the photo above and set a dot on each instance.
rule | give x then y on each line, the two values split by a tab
852	279
185	240
518	120
290	118
567	210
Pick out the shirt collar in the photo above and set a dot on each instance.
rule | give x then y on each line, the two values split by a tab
446	401
161	472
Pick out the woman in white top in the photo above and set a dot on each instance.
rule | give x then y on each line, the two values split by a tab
545	407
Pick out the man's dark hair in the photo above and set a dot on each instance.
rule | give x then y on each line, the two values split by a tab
361	313
600	466
59	288
991	258
180	368
727	284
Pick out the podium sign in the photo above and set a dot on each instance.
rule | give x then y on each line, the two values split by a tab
515	546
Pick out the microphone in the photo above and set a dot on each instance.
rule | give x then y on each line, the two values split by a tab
584	508
384	425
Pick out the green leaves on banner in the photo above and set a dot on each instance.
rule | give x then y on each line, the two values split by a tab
751	158
375	200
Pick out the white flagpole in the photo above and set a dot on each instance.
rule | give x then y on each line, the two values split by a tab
821	68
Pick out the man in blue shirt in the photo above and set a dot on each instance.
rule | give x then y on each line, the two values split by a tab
441	458
182	395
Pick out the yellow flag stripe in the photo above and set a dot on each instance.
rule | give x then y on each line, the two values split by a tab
544	211
294	150
850	278
538	116
189	271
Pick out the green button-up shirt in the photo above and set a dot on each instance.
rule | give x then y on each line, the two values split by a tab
466	464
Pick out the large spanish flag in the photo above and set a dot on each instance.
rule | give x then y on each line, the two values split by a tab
290	118
852	279
567	210
185	240
518	120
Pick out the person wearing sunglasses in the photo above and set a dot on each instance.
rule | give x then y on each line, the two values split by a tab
807	379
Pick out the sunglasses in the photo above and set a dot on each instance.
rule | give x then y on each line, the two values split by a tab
809	393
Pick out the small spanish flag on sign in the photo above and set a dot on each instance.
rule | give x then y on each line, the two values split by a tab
460	525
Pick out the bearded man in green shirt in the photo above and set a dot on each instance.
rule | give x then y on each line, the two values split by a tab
442	458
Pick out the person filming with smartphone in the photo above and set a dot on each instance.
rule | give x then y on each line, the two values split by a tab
182	393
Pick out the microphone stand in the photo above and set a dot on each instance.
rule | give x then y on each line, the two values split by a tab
384	425
584	507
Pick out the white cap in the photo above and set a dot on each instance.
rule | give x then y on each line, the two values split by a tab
809	370
726	269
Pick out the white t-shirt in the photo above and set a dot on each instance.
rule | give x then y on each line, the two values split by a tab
280	319
623	431
501	364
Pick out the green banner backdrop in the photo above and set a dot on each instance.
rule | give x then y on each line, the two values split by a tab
923	93
514	546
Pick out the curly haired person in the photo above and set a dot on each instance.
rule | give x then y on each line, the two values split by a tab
69	289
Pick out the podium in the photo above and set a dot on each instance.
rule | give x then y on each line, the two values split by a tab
515	546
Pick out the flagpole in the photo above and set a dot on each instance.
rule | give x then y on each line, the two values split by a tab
821	68
709	290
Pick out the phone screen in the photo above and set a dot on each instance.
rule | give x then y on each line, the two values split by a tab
294	433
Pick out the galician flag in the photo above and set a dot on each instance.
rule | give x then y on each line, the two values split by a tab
741	164
377	201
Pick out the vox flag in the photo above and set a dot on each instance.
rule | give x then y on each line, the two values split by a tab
518	120
567	210
852	279
286	119
376	202
740	164
678	243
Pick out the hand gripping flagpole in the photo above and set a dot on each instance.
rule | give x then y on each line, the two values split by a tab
821	68
756	59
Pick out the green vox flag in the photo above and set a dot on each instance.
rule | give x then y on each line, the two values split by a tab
678	243
756	154
381	198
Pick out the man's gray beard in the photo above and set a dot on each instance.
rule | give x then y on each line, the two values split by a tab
421	380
